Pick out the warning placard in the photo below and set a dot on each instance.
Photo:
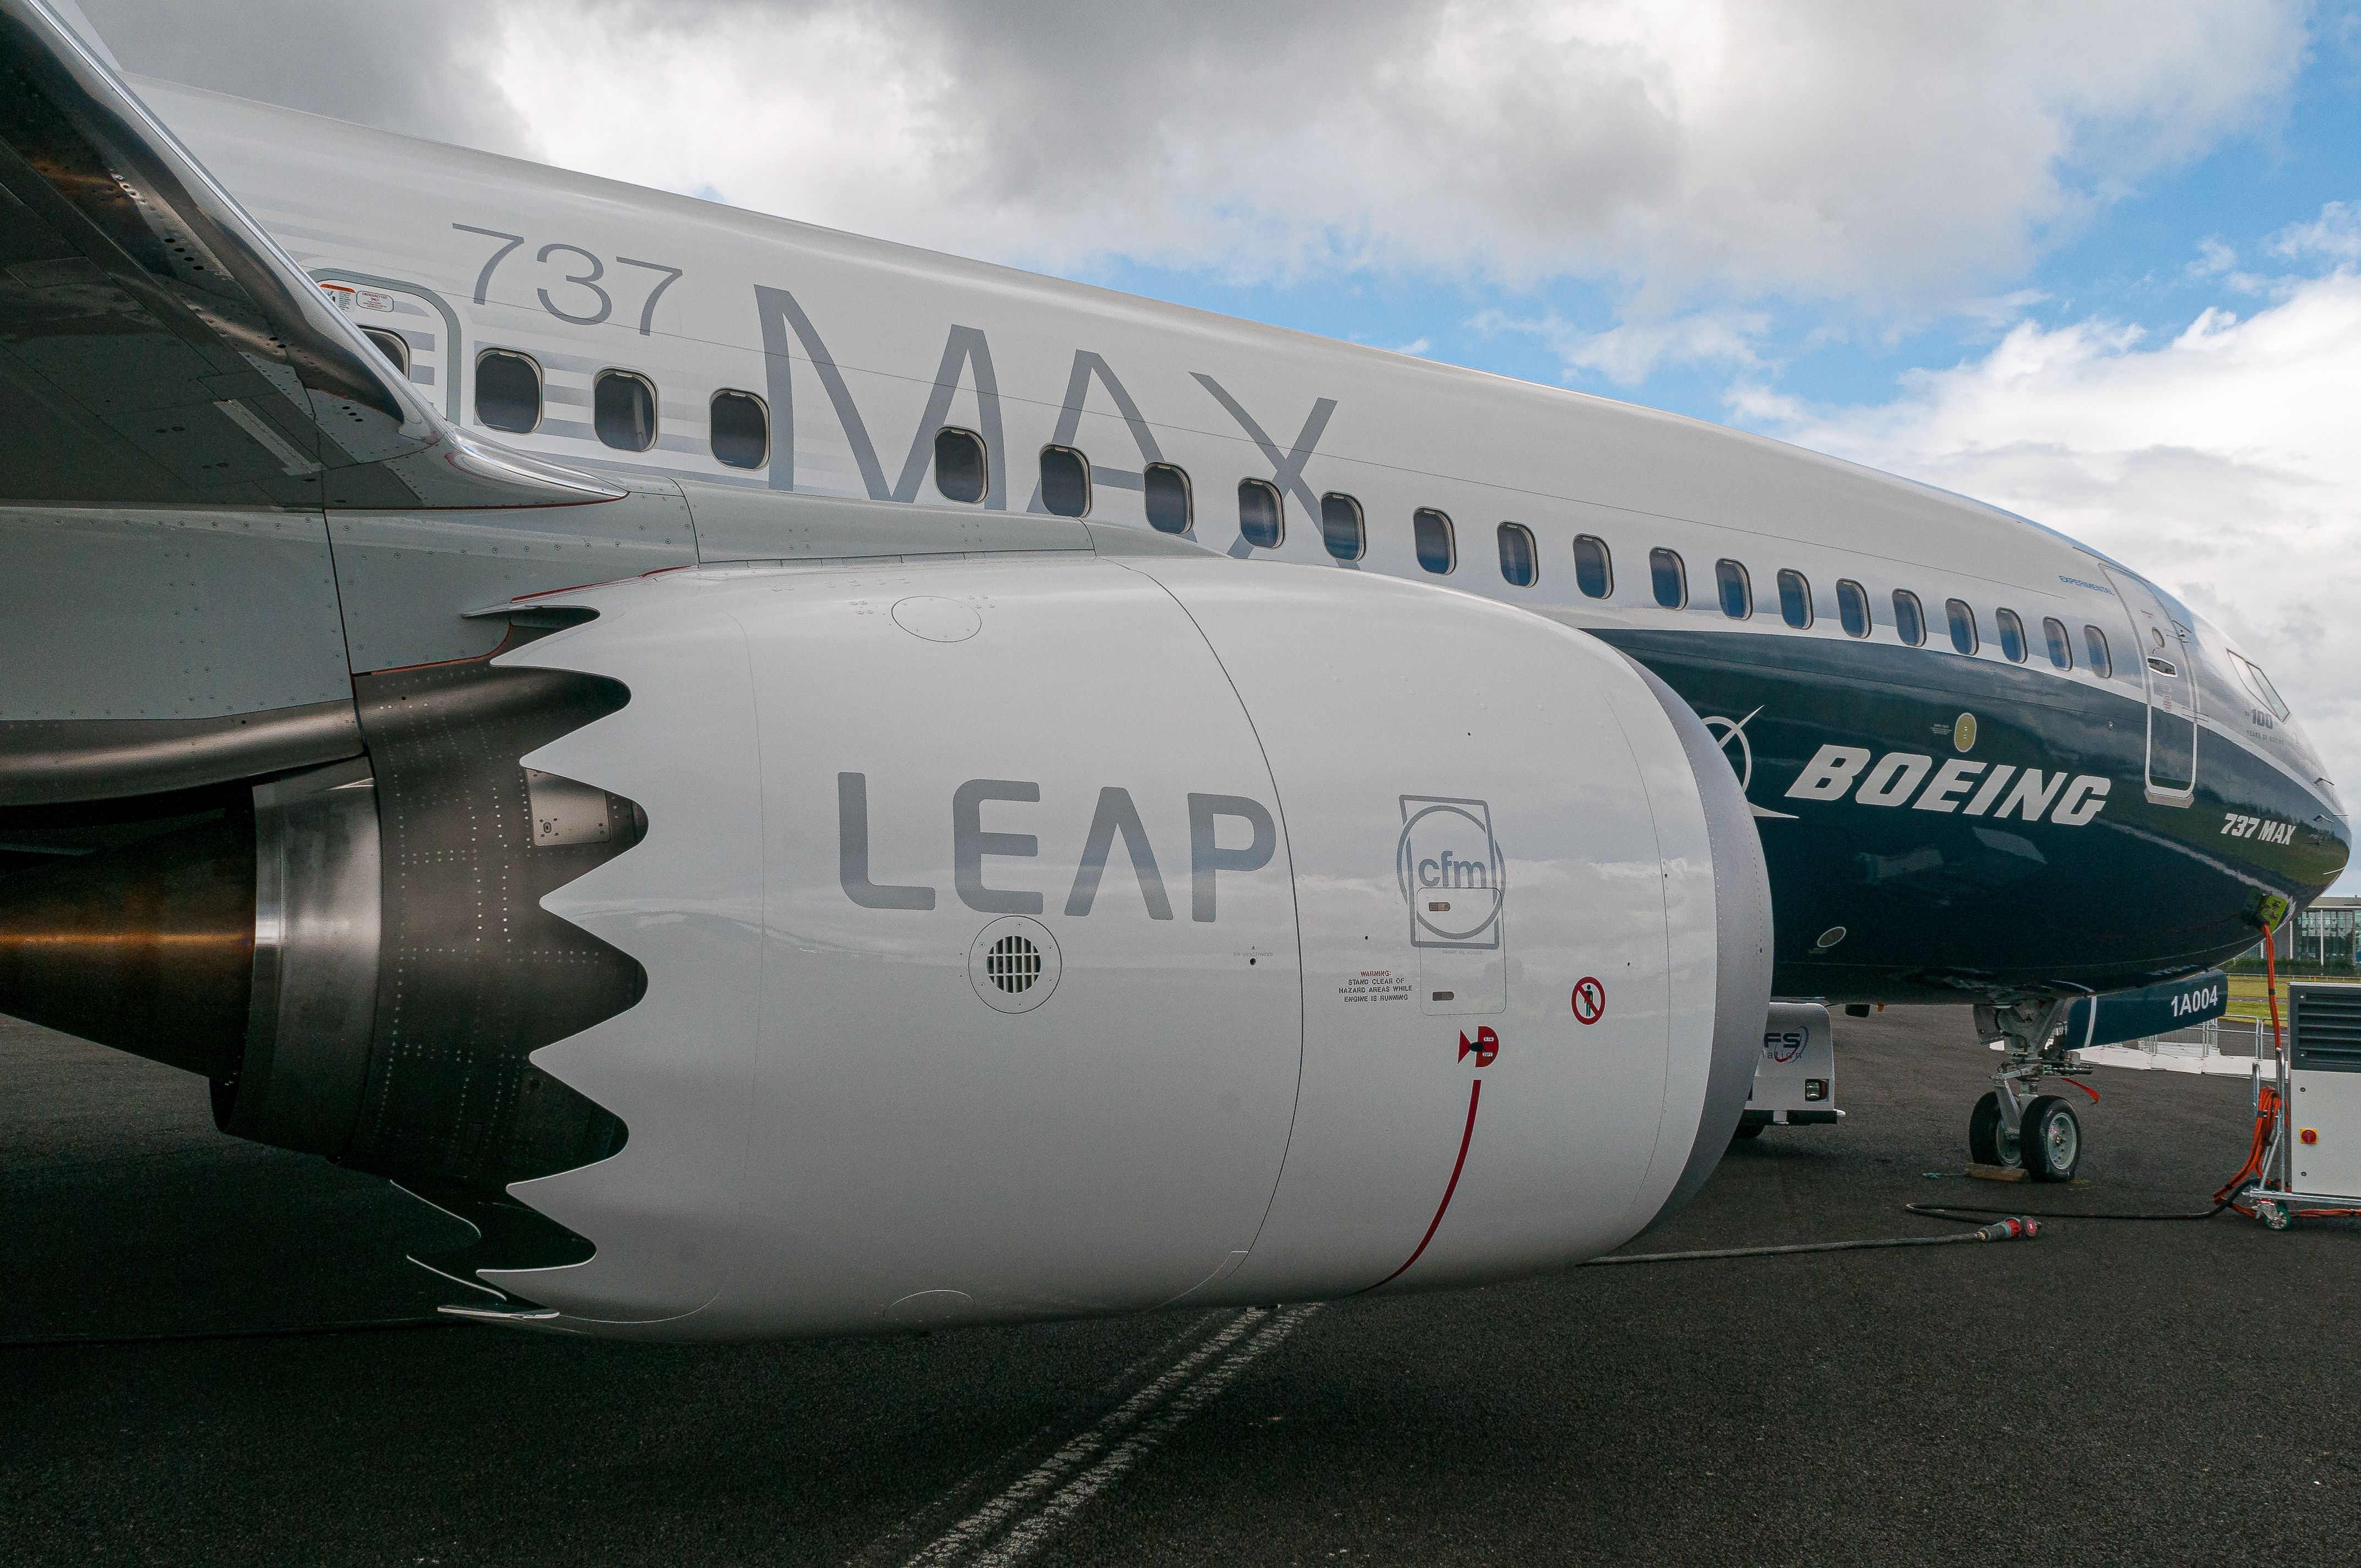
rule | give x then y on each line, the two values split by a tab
1377	985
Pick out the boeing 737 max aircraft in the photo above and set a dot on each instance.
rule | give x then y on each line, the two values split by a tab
803	785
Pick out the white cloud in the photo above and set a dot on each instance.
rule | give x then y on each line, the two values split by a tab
1628	355
2334	236
1819	148
2223	463
2214	256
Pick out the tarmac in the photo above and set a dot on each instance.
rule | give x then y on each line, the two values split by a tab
2145	1393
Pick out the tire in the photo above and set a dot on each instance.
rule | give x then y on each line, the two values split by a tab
1988	1140
2053	1140
1748	1127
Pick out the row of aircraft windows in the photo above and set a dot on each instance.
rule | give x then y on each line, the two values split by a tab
624	415
1734	588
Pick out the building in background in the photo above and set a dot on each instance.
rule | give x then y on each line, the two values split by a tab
2327	935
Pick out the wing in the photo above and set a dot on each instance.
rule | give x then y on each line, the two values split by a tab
158	349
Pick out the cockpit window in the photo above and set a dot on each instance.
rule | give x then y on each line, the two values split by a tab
2261	684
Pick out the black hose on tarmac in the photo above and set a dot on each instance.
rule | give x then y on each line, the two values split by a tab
2011	1228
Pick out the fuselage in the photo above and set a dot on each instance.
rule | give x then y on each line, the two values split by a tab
2065	779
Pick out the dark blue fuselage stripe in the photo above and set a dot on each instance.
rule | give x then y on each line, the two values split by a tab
1940	905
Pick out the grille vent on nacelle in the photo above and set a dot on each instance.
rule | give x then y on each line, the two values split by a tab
1013	964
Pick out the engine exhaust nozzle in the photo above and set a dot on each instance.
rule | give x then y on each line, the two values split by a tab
147	946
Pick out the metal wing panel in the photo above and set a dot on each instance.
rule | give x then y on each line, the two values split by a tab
158	348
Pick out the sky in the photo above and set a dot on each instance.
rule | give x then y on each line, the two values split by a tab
2098	263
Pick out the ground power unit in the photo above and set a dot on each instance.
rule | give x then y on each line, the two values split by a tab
2316	1163
1795	1081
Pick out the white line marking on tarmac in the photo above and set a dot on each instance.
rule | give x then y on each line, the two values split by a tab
1181	1389
957	1494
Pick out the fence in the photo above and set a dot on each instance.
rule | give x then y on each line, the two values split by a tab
2239	1040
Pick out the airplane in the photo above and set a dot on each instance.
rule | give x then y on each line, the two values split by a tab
803	785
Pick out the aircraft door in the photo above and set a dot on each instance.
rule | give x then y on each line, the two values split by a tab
410	325
2166	666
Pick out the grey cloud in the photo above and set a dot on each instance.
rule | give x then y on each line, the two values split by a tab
414	66
1706	148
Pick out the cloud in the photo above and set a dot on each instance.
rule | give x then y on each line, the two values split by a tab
2334	236
2214	257
1821	148
1628	355
418	68
2220	462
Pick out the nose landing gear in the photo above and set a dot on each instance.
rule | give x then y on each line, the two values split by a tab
2038	1132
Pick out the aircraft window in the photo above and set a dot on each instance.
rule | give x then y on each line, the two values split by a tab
1171	508
1909	619
1431	531
1964	635
1736	593
1341	529
1262	513
2061	646
1852	607
2094	644
392	345
1594	568
1795	599
623	410
1670	577
739	427
963	464
1520	564
508	391
2011	635
1065	482
2262	685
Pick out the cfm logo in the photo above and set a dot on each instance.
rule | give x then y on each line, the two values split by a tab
1973	789
1452	873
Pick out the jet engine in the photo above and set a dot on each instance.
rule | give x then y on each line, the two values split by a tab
836	948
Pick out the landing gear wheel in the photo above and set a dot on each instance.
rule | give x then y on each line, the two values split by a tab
2050	1139
1991	1141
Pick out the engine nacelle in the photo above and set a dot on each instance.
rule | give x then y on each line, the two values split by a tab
1008	937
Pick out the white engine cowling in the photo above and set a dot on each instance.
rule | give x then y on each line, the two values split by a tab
1030	936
